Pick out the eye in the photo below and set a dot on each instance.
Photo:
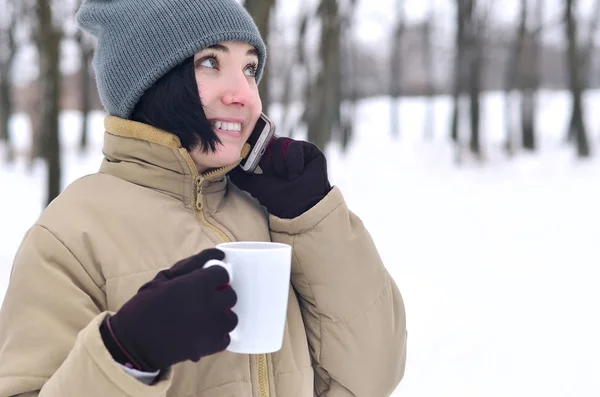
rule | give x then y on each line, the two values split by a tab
209	62
251	70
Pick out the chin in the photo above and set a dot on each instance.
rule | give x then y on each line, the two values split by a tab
226	156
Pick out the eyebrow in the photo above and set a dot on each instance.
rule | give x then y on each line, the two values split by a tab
225	49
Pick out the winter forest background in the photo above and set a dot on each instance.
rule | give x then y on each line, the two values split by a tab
462	132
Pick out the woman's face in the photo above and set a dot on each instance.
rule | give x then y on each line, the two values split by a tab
225	74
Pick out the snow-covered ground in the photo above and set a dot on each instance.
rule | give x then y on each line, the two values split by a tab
496	262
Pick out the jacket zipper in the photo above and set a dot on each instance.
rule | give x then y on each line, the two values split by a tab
199	214
263	379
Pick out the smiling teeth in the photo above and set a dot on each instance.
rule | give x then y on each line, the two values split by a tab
227	126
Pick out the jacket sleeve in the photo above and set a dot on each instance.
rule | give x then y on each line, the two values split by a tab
353	311
50	344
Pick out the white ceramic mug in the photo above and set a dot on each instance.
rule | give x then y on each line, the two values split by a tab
259	273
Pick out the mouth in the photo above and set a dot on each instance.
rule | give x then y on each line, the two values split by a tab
231	128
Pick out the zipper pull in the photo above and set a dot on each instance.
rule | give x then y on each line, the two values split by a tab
199	198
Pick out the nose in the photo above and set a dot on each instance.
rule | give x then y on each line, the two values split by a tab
237	91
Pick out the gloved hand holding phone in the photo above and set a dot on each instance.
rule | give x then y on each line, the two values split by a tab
293	179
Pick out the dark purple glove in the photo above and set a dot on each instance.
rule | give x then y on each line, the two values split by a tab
182	314
294	178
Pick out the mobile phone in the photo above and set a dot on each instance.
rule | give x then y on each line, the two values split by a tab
259	140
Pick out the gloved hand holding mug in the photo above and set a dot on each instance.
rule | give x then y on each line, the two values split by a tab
184	313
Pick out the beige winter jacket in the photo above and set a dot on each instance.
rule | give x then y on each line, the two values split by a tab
110	232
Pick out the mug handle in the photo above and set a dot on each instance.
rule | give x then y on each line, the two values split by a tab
215	262
226	266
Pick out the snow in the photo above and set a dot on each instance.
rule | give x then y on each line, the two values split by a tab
495	261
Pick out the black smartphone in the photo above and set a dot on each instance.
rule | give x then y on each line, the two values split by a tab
259	140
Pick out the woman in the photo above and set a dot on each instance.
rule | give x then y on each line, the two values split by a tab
108	295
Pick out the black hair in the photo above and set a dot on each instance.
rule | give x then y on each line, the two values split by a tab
173	104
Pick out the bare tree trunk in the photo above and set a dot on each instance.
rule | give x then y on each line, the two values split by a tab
5	113
324	107
586	63
49	38
475	94
469	65
7	55
575	81
589	46
590	43
349	99
85	108
86	51
476	31
261	12
429	126
396	69
36	120
291	75
528	106
512	75
531	80
286	99
461	67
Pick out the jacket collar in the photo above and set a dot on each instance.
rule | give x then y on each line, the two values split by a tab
153	158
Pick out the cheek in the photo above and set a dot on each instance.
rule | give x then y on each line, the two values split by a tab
255	109
205	89
256	104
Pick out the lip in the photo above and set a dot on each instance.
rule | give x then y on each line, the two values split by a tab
231	134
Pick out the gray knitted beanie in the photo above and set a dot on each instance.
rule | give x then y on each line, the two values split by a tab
139	41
